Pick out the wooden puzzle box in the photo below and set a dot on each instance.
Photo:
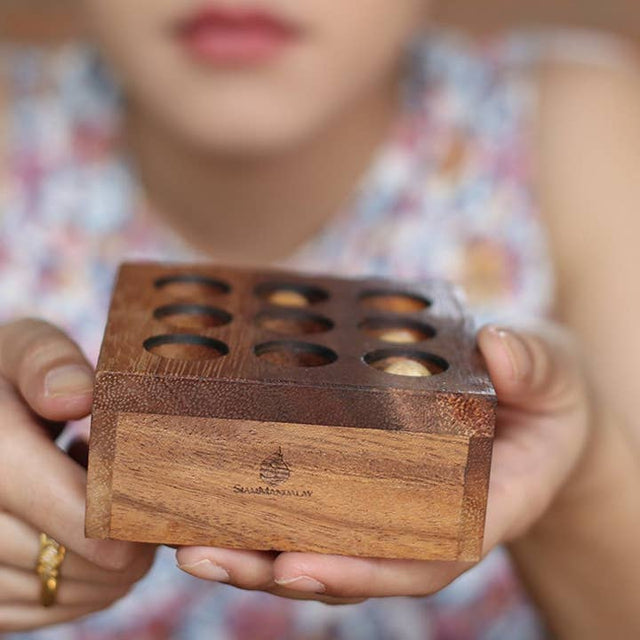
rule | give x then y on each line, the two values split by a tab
287	411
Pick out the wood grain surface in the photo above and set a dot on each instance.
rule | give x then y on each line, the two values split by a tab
188	411
372	494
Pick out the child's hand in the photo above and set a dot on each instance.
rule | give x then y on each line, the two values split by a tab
542	429
45	381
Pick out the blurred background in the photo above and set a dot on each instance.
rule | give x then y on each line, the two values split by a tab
55	20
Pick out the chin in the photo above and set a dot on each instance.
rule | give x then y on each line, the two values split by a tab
245	131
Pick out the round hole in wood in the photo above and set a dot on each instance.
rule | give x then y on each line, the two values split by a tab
191	285
286	353
394	301
293	322
192	316
185	346
397	330
287	294
406	362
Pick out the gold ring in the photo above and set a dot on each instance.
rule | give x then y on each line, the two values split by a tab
50	558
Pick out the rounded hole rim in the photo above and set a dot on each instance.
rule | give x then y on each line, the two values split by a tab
425	358
423	301
372	323
277	312
296	347
314	294
165	312
216	286
193	339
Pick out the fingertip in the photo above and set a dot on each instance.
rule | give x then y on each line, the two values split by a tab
186	556
66	391
69	380
302	584
313	572
49	369
297	561
190	555
62	408
206	570
507	355
301	572
114	555
245	569
63	393
56	408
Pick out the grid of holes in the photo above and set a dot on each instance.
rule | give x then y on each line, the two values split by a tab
392	320
287	312
190	317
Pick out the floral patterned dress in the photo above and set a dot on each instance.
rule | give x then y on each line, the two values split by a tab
448	196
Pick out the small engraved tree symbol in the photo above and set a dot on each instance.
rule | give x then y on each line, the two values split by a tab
274	470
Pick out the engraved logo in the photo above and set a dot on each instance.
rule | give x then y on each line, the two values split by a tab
274	470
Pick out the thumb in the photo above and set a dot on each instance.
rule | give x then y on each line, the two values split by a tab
534	369
541	423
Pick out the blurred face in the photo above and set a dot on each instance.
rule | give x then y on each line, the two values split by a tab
251	76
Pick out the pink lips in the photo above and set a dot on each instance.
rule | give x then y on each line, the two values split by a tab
220	36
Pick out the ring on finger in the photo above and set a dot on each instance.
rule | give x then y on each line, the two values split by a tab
50	559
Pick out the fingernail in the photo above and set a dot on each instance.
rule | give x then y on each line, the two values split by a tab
206	570
72	379
516	350
302	583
